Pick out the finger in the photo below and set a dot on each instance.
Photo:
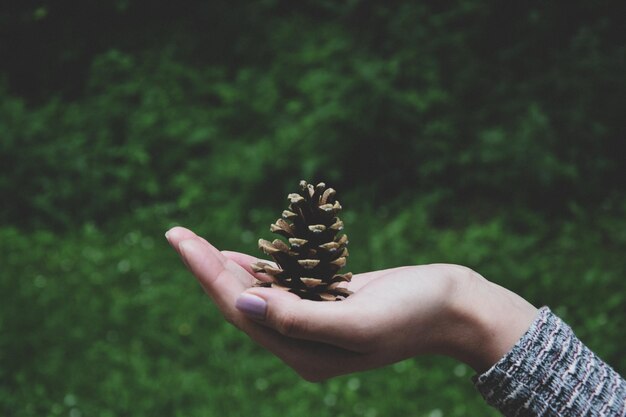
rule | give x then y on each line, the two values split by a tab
241	258
335	323
177	234
221	279
246	261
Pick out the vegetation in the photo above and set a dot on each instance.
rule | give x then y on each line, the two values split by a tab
476	132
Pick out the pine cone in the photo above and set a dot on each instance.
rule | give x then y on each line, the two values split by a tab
308	264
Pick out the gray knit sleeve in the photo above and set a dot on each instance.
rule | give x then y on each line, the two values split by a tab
549	372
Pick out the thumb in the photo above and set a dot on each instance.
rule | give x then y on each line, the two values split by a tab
331	322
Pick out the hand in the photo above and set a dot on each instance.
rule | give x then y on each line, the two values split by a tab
393	314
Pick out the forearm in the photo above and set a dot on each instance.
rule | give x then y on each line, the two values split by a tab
486	320
530	362
549	372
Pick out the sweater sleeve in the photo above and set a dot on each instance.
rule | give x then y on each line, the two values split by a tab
549	372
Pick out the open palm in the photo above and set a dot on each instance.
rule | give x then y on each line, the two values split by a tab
393	314
389	317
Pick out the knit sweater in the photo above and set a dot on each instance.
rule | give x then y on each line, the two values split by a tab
549	372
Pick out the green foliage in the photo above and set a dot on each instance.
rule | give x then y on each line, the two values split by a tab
475	132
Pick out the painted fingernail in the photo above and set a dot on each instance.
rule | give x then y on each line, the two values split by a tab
252	306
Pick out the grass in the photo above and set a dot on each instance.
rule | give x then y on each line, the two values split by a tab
107	322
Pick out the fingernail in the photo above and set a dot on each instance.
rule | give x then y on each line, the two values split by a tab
167	235
183	247
252	306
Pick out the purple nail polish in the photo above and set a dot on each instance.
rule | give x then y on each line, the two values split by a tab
252	306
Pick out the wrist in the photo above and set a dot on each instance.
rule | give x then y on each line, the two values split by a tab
485	320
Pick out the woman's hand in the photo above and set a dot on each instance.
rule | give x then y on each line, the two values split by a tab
393	314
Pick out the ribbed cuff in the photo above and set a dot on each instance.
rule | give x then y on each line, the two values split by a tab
549	372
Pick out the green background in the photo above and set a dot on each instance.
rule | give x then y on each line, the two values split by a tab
476	132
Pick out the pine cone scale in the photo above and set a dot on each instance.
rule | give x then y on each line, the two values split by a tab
307	264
